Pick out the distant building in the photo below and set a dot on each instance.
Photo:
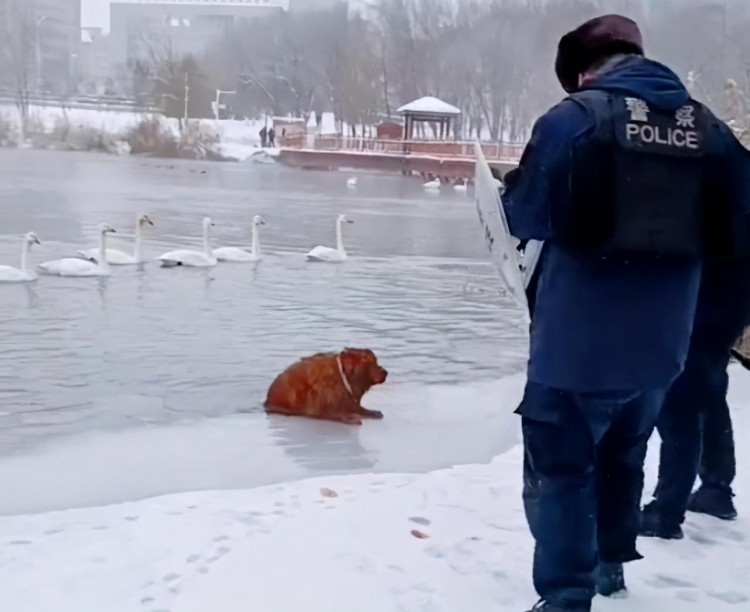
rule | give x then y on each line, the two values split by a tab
297	6
56	32
142	29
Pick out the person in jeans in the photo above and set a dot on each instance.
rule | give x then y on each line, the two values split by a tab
695	425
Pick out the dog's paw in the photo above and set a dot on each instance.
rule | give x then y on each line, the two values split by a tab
351	419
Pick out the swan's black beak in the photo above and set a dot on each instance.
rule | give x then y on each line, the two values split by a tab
36	240
112	230
262	222
349	221
149	221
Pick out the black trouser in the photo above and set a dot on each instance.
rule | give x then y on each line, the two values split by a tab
583	480
696	432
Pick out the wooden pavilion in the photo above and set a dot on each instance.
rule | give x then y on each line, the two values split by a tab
429	110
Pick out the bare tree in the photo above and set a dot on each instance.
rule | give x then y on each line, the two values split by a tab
492	58
18	53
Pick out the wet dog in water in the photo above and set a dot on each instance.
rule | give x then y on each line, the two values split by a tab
328	386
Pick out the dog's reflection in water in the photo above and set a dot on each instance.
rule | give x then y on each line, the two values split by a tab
320	446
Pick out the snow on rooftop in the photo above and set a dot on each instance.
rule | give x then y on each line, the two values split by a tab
429	105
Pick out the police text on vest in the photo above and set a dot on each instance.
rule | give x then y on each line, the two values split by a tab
671	137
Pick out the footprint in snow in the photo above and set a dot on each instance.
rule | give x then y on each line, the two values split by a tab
730	597
668	582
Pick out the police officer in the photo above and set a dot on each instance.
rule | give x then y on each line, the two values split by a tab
615	180
695	425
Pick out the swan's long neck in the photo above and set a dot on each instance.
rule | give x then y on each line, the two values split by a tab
103	263
25	255
137	253
206	244
339	237
256	241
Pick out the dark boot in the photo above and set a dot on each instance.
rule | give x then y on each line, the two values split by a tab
610	580
545	606
655	525
714	501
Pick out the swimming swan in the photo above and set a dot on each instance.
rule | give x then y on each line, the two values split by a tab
22	274
73	266
462	186
116	257
433	185
352	182
327	254
189	257
241	255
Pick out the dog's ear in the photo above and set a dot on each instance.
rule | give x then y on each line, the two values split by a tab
349	361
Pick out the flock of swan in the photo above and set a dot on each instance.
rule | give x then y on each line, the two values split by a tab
435	185
432	186
97	261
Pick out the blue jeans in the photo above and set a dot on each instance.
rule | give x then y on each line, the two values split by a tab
696	432
583	479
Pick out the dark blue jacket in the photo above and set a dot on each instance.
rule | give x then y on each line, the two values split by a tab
723	307
599	324
724	297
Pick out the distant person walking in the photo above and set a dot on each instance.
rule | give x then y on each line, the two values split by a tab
271	138
263	136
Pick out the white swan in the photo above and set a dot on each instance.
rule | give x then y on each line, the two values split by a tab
352	183
9	274
73	266
462	186
116	257
189	257
327	254
433	185
241	255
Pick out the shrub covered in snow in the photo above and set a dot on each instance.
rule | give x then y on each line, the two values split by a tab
153	136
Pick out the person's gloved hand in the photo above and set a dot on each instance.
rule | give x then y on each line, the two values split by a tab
512	176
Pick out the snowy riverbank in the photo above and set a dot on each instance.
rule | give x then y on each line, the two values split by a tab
237	139
342	543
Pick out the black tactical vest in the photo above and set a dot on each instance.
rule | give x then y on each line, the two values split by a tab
638	182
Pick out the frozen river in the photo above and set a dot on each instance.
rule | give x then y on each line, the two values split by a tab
151	381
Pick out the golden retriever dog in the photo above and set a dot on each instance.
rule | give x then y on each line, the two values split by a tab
328	386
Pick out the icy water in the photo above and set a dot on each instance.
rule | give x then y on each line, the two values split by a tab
152	380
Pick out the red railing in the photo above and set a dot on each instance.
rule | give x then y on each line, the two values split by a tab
495	151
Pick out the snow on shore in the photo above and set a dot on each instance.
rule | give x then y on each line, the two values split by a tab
238	139
343	543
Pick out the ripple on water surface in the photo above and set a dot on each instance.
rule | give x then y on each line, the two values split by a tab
156	347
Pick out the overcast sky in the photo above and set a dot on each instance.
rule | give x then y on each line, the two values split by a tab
95	13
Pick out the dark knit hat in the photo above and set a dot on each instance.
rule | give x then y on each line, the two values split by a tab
595	40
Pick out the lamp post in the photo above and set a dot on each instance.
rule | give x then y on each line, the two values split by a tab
38	50
187	97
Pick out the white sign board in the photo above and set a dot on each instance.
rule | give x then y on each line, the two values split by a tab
501	244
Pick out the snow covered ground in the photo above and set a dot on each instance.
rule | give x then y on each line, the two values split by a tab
444	541
239	139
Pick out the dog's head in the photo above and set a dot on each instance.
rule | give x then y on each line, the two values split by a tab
362	369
